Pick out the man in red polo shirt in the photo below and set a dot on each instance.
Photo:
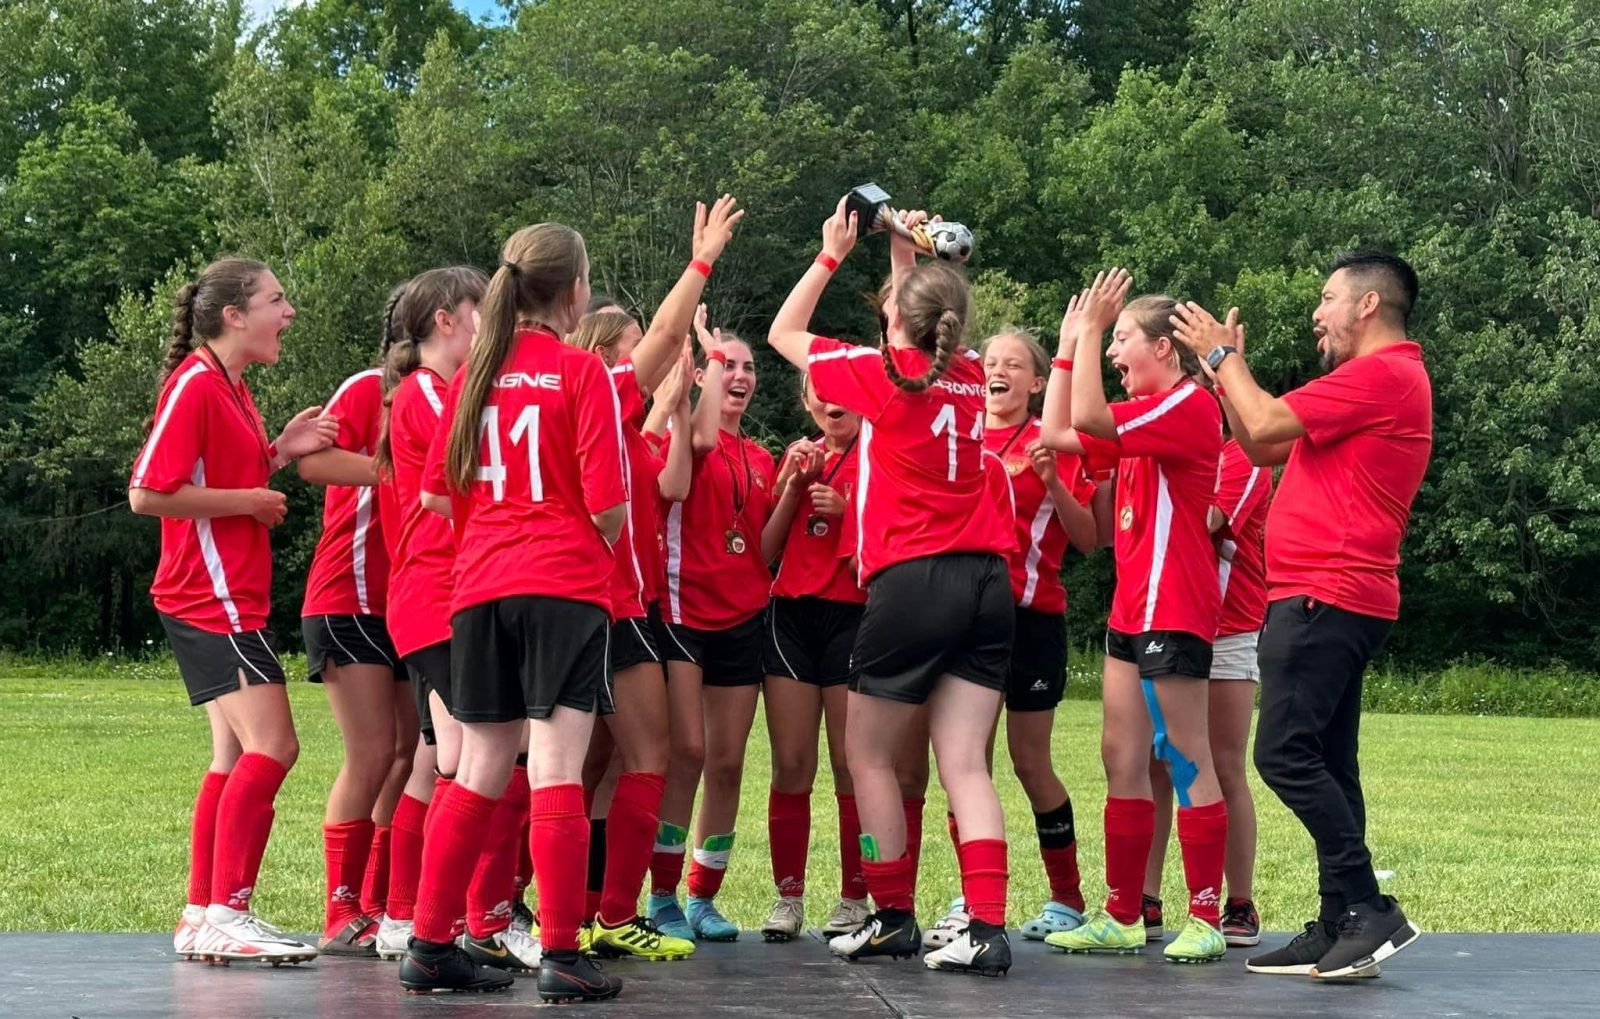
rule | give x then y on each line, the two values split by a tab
1355	446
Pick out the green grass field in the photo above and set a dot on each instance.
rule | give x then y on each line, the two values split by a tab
1487	823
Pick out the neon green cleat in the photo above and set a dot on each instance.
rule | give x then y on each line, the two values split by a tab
1101	932
1197	942
637	939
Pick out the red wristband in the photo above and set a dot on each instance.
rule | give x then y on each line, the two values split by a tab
701	267
1064	363
272	452
827	261
719	357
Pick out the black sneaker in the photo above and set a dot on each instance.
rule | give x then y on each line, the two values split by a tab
1299	956
979	948
1155	926
888	932
1241	925
492	951
573	976
1368	934
432	968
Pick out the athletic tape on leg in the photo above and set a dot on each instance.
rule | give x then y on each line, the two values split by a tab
715	852
1182	770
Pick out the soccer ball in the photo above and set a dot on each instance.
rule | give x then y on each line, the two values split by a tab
949	241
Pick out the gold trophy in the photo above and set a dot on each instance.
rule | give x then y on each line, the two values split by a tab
949	241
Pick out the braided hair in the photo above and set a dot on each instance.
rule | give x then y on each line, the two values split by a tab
934	304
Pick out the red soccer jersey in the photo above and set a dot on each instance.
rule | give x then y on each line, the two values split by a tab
816	556
633	575
1041	540
1167	475
1243	492
1345	497
549	456
350	569
715	575
424	552
921	487
215	574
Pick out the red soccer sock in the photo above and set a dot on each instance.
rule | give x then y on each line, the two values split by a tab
1061	869
458	830
913	810
789	835
440	785
710	866
852	883
405	856
954	830
889	882
983	879
560	847
494	877
1203	837
1130	826
666	858
375	883
345	847
524	859
203	836
630	837
244	820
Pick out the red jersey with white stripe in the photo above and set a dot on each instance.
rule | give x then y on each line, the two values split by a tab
1168	444
1041	538
350	569
816	553
921	487
215	574
423	549
715	576
633	577
549	457
1243	492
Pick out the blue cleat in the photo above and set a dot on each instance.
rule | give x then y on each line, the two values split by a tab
668	917
708	924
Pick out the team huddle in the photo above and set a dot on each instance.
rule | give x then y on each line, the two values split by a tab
531	527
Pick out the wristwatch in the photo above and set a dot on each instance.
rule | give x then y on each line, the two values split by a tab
1214	359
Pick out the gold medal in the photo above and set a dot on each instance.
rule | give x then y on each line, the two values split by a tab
816	525
734	541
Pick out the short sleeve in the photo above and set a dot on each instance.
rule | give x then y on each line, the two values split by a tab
629	397
1165	426
359	407
1356	395
1100	456
850	376
166	463
1241	485
597	428
434	481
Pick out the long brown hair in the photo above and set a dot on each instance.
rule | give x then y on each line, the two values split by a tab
1152	313
600	332
228	282
934	305
408	322
538	266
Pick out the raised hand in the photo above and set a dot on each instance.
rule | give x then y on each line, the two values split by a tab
1105	298
309	431
839	232
1199	330
710	340
713	228
1071	320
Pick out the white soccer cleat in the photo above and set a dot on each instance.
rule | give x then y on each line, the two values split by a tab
847	916
229	934
787	919
393	936
523	945
948	928
978	948
189	924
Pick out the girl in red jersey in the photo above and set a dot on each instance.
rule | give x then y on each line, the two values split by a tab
1166	439
926	524
204	470
709	629
811	628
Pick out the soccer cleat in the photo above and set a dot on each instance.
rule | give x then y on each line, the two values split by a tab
1054	918
636	939
1241	925
522	918
708	924
430	968
393	936
847	916
787	919
887	932
1101	932
668	918
980	948
1198	941
1366	936
510	949
1299	957
229	934
573	976
1155	927
948	928
189	924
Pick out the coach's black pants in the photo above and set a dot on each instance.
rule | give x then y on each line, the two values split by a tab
1312	658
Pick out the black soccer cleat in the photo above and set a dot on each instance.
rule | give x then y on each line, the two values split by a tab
981	948
888	932
432	968
572	976
1155	925
1367	935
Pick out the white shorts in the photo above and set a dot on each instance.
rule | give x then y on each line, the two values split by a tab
1234	657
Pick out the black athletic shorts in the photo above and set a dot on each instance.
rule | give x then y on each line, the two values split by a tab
520	657
810	639
926	617
211	663
1038	677
347	640
632	643
730	657
1161	653
429	669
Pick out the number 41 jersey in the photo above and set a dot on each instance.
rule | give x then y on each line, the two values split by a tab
549	455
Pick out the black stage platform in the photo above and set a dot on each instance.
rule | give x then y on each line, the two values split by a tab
134	975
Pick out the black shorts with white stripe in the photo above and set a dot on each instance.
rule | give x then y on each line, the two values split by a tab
811	639
213	664
730	657
429	668
523	656
348	640
632	643
1038	677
